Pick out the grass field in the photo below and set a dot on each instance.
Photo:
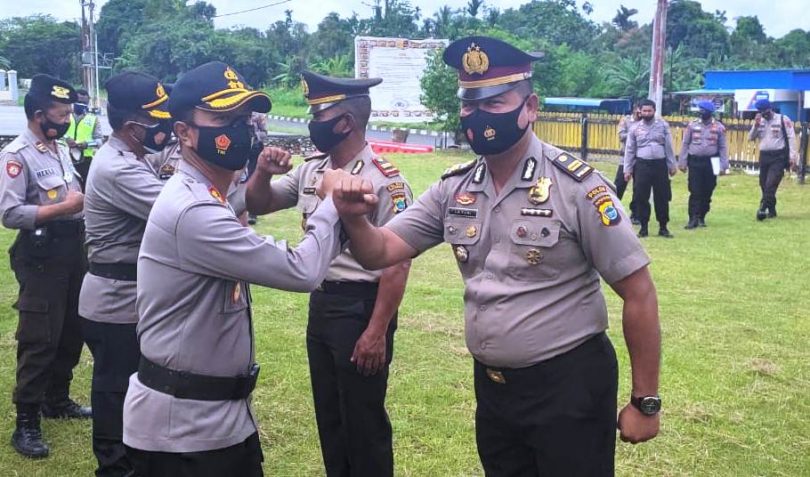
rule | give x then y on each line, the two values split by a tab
734	301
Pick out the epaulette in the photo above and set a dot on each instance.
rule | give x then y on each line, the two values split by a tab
316	156
387	169
15	146
457	169
576	168
203	193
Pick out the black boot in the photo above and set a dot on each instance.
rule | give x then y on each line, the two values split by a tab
66	410
27	437
772	212
643	232
664	232
693	223
701	221
762	212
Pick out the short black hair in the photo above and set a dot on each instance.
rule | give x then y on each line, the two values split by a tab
647	102
82	92
117	117
360	108
32	104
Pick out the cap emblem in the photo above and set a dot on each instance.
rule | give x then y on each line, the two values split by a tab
160	91
475	60
60	92
233	79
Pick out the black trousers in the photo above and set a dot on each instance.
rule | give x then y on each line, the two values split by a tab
241	460
621	187
83	168
702	182
115	358
556	418
652	176
49	338
772	166
353	425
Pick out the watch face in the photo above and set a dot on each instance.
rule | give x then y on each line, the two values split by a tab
650	405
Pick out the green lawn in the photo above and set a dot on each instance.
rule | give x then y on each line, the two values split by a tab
734	302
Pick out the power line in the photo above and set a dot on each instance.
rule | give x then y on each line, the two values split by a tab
253	9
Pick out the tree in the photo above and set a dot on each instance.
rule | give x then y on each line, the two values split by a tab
439	86
556	21
793	49
473	7
116	22
41	44
622	19
335	37
700	32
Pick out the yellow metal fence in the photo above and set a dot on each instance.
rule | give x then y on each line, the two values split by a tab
565	130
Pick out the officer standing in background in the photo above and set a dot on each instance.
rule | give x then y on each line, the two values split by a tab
532	229
626	125
187	409
84	136
40	196
703	139
119	195
259	123
352	315
650	161
777	152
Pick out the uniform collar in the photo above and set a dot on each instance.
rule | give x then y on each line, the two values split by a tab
32	139
528	167
192	171
118	144
364	157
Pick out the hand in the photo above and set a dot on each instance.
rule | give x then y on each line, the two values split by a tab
274	161
672	171
73	203
81	146
758	119
353	196
628	177
635	427
683	168
369	353
71	143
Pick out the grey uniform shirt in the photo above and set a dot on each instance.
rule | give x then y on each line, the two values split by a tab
118	198
33	175
649	141
194	265
769	134
166	162
530	256
298	188
704	139
625	126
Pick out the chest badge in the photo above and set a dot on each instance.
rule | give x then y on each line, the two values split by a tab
541	191
534	256
465	198
53	194
471	231
462	255
166	171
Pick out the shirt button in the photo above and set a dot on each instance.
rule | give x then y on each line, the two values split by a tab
482	308
496	209
484	345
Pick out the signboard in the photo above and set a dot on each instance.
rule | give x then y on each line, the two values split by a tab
401	64
716	99
747	98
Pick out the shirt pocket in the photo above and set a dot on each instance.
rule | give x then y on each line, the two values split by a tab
306	205
234	297
532	249
463	237
51	189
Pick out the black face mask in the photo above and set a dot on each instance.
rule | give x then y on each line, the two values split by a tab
79	109
767	115
53	130
493	133
323	135
156	136
705	116
227	147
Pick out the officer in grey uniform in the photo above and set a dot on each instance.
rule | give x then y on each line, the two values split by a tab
188	410
650	161
532	229
626	124
40	195
352	314
120	193
703	139
777	152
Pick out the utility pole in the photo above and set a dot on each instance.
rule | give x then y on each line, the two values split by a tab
659	41
90	52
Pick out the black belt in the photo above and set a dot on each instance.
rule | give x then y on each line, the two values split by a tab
186	385
115	271
349	288
776	153
64	228
692	156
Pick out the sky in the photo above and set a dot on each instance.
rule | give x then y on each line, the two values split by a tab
777	17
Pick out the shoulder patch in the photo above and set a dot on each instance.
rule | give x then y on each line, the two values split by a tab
573	167
316	156
13	168
458	169
387	169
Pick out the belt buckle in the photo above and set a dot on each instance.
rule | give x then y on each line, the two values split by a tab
496	376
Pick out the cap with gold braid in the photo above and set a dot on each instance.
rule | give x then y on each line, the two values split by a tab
133	91
323	92
487	67
215	87
47	87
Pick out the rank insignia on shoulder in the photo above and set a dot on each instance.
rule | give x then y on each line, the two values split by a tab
316	156
13	169
541	191
457	169
387	169
607	211
41	147
216	194
399	202
358	166
576	168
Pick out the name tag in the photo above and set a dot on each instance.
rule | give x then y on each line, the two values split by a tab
46	172
309	190
462	212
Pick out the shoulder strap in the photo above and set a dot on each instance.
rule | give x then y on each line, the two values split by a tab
577	169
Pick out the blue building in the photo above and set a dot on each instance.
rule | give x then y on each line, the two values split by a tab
788	90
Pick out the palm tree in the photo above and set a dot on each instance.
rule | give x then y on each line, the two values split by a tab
338	66
473	6
622	18
629	77
5	63
443	20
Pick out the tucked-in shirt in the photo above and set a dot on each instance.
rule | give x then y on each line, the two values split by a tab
770	135
119	195
194	266
649	141
298	188
531	256
704	139
34	174
626	124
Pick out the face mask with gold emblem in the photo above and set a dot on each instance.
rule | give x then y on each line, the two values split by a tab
493	133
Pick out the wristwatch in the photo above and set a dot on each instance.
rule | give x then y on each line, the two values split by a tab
648	405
